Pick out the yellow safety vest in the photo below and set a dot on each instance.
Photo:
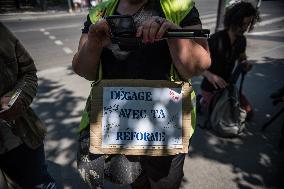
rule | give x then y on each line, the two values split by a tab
175	11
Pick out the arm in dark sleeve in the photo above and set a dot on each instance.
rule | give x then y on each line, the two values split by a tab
192	18
243	46
214	49
87	24
27	78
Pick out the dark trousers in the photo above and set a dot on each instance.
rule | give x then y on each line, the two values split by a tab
164	172
156	172
25	166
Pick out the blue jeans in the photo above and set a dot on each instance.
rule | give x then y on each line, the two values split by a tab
27	167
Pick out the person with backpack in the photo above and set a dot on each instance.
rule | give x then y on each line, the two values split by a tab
97	58
227	47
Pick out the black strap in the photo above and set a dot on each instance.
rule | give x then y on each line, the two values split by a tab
241	84
239	71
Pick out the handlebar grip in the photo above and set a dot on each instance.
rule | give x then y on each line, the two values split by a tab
187	33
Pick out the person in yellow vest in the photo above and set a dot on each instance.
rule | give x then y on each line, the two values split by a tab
158	59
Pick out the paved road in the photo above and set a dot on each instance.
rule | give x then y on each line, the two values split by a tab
251	162
51	41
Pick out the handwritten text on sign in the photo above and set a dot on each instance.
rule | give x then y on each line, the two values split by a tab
142	117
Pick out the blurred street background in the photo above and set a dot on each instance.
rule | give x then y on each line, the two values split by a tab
253	161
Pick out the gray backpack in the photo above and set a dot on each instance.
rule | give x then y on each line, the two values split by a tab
225	116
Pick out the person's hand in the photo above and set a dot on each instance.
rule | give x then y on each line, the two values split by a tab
154	28
215	80
247	66
5	101
10	113
100	33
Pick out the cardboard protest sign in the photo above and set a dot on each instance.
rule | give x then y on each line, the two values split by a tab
140	117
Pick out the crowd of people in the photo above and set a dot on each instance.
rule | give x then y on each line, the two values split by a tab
22	132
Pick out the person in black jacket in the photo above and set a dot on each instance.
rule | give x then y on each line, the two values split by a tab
227	47
22	157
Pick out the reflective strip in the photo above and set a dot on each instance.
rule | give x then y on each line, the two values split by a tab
170	7
84	120
193	112
50	185
102	9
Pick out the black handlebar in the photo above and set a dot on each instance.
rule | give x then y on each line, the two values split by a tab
187	33
123	31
